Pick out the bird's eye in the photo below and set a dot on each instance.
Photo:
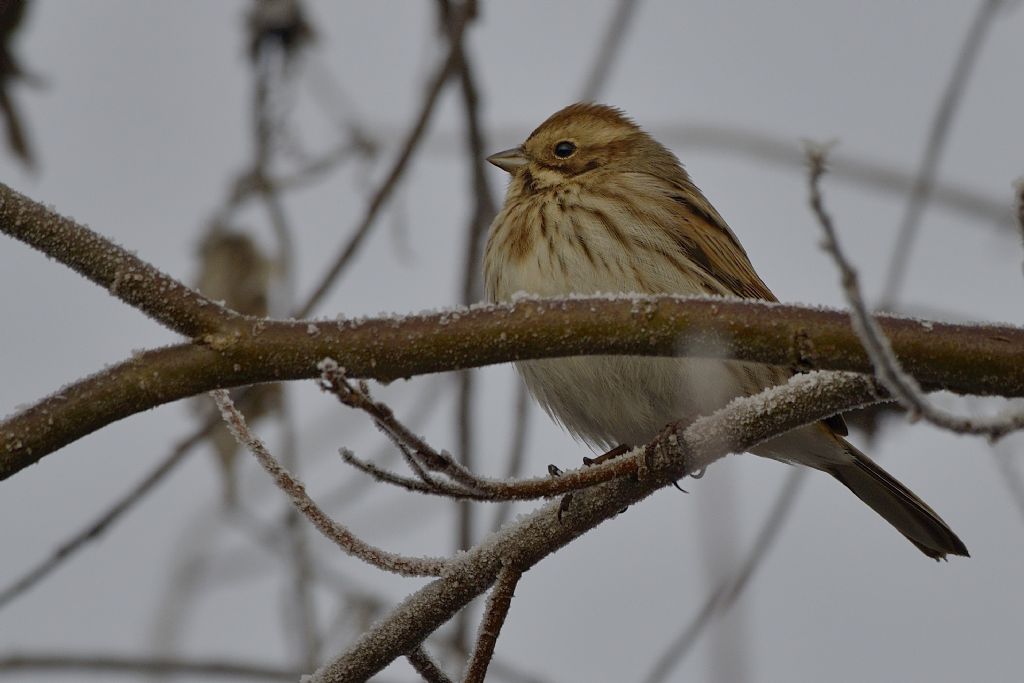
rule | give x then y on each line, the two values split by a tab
564	149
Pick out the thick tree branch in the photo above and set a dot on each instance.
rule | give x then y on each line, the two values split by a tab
112	267
984	360
232	350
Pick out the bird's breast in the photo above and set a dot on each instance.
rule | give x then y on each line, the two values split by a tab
572	241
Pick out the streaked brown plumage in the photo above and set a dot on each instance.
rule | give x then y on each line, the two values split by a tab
234	269
595	205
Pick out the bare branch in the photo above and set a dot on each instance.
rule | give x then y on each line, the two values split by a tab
467	486
731	586
937	136
431	487
976	359
153	666
483	211
516	449
1007	462
498	603
98	527
1019	202
427	667
737	427
340	535
615	33
781	150
968	359
123	274
887	366
387	187
493	491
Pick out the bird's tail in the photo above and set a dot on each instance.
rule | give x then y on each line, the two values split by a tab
897	504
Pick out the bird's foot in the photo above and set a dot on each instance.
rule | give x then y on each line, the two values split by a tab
669	432
621	449
554	471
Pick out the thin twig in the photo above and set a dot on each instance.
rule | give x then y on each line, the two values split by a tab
974	359
340	535
99	526
730	588
614	36
153	666
272	59
495	613
437	488
484	208
482	213
516	450
494	490
499	669
315	168
937	137
1019	202
868	173
390	183
419	454
426	667
468	486
1007	461
300	560
746	421
422	407
781	150
886	365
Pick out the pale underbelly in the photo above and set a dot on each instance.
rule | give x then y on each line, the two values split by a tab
613	400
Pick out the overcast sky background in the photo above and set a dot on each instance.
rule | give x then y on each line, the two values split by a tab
144	120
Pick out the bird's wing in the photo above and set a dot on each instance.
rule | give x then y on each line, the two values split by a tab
709	242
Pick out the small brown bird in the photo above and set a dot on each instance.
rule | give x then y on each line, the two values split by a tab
596	205
234	269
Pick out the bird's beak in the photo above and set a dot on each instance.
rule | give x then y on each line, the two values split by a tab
510	160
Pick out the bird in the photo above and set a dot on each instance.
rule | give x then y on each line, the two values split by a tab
596	205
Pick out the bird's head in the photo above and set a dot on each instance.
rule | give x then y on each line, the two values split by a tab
584	138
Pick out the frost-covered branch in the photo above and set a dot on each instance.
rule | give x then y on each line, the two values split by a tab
464	484
120	272
887	366
938	134
232	350
498	603
424	459
340	535
975	359
961	358
739	426
426	667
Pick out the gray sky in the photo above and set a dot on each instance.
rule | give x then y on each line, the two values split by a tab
143	121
